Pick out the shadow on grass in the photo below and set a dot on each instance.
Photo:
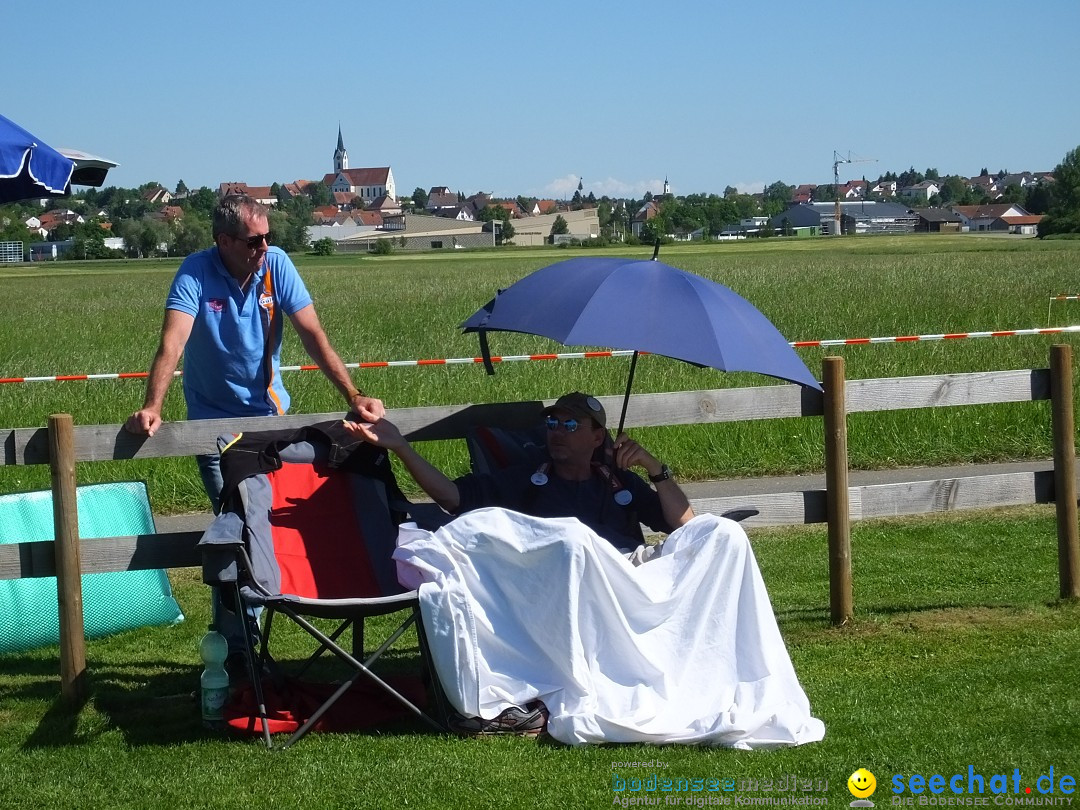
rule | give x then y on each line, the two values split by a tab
922	616
151	703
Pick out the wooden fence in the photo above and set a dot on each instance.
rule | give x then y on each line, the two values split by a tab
62	444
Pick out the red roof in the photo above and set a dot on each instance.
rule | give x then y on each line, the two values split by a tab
361	177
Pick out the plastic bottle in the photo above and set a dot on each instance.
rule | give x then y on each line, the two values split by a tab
214	681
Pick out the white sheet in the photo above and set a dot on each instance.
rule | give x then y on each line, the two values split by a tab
682	649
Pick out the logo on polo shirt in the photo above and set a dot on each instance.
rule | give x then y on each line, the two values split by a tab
215	304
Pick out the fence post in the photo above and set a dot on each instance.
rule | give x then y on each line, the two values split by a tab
1061	400
68	564
837	507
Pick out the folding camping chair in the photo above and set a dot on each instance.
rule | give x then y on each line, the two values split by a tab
307	530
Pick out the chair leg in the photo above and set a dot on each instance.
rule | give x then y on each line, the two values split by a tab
341	628
361	669
255	669
358	639
427	664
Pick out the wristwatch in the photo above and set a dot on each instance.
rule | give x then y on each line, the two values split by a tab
663	475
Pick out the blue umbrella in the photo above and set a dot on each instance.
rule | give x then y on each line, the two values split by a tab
646	306
30	168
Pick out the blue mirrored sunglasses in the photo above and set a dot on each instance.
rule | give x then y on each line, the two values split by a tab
570	425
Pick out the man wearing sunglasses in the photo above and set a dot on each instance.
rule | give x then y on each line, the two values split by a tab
224	315
583	475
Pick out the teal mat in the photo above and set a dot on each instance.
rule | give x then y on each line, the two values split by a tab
112	602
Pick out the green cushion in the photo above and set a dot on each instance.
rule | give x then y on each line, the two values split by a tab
112	602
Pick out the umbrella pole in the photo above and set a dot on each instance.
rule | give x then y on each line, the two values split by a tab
633	362
485	353
626	396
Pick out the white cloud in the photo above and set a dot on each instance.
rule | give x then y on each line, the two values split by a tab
564	187
754	187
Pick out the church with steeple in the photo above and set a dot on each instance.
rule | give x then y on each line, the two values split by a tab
341	157
370	185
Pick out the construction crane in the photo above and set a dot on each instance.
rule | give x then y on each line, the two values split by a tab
837	160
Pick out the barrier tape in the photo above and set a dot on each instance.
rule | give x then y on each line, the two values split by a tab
799	344
802	344
1061	297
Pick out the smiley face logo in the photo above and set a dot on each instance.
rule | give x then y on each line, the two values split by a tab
862	784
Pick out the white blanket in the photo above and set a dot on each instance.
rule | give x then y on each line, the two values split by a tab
682	649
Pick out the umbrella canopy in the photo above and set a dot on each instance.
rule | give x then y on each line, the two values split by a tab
30	168
90	170
643	306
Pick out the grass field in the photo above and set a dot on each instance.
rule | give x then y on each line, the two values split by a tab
957	658
960	654
104	317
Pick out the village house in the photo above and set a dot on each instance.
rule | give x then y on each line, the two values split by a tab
261	194
993	217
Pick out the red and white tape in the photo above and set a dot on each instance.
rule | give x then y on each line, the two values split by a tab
1061	297
448	361
802	344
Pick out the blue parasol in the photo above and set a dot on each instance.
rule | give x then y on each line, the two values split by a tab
642	306
29	167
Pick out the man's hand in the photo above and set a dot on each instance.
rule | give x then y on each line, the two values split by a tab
144	422
367	408
629	453
381	433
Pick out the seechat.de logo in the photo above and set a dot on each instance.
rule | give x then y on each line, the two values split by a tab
862	785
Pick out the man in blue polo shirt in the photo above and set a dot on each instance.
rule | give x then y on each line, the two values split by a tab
224	314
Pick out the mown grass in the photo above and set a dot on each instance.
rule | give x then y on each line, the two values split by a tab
957	657
105	317
959	654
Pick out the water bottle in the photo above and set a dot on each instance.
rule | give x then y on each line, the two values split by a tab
214	681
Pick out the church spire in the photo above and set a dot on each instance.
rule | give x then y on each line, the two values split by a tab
341	157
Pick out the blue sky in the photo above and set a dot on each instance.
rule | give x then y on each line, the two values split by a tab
529	98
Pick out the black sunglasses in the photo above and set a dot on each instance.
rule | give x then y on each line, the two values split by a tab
570	425
253	241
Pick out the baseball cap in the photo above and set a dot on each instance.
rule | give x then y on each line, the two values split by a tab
580	405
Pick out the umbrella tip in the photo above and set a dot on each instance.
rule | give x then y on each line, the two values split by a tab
656	249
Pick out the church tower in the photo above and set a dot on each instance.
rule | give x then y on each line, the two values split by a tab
667	187
341	157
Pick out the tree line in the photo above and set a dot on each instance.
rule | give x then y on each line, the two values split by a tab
146	234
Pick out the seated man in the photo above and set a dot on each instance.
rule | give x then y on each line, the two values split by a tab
570	482
537	622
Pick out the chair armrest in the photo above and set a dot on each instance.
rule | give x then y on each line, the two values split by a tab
739	515
222	546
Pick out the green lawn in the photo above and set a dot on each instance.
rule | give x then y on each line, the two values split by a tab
104	317
960	654
957	657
